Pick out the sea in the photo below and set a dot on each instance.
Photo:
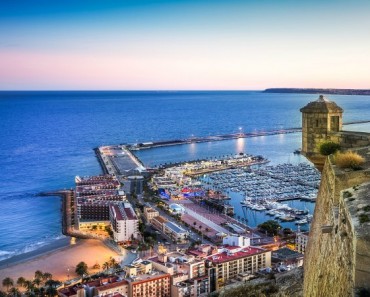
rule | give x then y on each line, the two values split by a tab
48	137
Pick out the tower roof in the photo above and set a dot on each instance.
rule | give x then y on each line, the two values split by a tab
321	105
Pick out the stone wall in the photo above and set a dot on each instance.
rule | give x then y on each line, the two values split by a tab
334	260
349	139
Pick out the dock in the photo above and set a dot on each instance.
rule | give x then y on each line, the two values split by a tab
231	136
221	137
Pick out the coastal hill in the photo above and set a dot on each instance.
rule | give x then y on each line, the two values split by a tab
319	91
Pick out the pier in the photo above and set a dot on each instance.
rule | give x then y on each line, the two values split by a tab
230	136
147	145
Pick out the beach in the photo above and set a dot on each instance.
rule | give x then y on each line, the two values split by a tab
60	259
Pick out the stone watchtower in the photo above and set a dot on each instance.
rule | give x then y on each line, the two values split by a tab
319	118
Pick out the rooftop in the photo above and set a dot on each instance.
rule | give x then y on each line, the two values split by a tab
322	105
285	253
123	211
160	219
140	278
226	257
175	227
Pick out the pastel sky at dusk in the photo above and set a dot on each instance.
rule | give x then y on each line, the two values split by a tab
183	45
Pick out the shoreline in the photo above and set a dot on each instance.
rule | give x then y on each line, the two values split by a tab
42	251
60	259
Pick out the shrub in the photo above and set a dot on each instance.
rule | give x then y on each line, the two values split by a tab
328	147
349	160
364	218
347	194
366	208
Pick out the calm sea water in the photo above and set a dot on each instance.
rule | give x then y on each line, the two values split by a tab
47	138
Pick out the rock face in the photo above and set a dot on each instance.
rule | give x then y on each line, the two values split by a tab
337	259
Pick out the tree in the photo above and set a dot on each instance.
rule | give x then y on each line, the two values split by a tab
46	276
272	227
14	292
81	268
39	274
8	283
20	281
51	287
37	282
105	266
112	262
29	287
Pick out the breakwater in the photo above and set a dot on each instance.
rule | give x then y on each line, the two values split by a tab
212	138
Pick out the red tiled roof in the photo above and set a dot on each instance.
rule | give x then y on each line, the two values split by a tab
112	285
117	212
225	257
129	213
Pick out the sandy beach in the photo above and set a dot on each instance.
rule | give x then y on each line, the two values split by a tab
60	262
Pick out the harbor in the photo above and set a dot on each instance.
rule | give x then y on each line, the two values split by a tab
248	188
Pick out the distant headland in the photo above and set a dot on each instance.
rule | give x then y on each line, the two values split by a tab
319	91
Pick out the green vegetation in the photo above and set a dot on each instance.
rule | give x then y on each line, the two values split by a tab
364	218
41	285
366	208
111	264
328	147
271	227
349	159
8	283
347	194
108	229
81	268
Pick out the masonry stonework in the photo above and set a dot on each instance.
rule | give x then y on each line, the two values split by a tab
337	259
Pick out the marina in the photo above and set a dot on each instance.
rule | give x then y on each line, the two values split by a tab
264	188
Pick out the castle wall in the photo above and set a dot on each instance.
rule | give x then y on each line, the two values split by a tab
337	258
349	139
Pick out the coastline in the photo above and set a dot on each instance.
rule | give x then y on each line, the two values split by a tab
42	251
59	258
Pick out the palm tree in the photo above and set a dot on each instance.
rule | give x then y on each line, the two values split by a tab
37	282
112	262
7	283
46	276
14	292
105	266
29	287
20	281
51	287
38	274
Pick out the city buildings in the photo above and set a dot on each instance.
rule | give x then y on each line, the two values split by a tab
231	261
301	242
150	213
124	222
175	232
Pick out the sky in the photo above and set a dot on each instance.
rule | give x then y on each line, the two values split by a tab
183	45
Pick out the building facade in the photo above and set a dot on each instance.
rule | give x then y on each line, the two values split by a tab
124	222
301	242
150	213
226	265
